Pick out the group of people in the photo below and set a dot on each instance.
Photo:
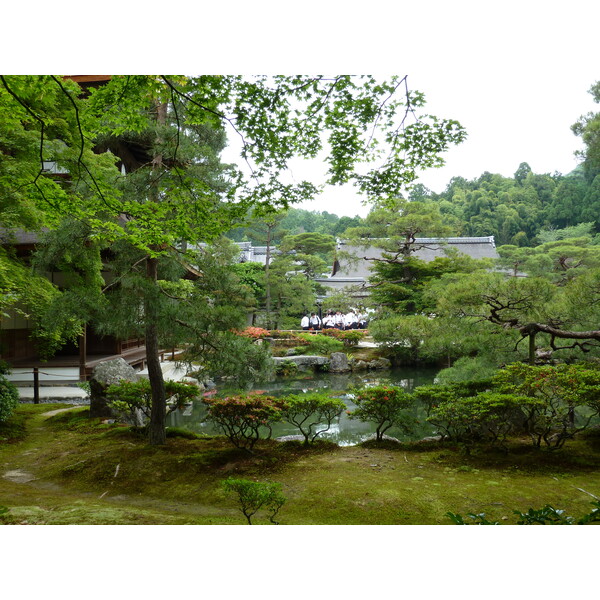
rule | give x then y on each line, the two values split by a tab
334	320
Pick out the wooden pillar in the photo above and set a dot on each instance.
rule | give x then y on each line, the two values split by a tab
36	386
83	354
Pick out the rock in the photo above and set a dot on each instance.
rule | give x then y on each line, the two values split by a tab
303	362
360	365
385	438
193	381
105	374
380	363
18	476
290	438
338	363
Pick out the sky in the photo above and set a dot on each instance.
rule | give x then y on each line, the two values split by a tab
514	73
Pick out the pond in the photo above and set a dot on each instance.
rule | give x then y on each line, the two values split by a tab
344	431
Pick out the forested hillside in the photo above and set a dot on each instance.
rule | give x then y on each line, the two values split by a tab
516	209
293	222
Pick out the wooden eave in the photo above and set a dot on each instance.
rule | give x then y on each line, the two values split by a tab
89	79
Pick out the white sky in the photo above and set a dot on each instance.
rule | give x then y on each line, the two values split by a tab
515	74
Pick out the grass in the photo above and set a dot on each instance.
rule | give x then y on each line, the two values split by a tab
68	468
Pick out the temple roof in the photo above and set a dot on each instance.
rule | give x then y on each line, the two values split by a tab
427	249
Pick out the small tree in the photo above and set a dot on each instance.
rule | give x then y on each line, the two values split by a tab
308	411
351	337
9	395
133	396
555	395
486	417
319	344
254	495
435	394
386	406
242	417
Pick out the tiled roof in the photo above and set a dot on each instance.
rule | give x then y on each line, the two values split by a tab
16	237
428	250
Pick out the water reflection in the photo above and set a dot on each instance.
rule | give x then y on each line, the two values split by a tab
344	431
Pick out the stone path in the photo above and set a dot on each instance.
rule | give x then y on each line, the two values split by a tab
54	393
18	476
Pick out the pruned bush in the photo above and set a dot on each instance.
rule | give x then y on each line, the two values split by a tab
334	333
254	333
547	515
319	344
487	417
563	399
435	394
352	337
254	495
242	417
9	395
128	397
386	406
309	411
276	334
286	368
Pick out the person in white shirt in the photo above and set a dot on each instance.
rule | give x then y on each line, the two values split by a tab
315	322
350	320
305	323
339	320
328	321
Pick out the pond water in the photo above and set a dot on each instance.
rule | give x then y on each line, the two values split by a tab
344	431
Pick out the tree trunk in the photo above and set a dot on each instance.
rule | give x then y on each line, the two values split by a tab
158	412
532	348
267	280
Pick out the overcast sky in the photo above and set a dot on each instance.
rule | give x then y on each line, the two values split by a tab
516	74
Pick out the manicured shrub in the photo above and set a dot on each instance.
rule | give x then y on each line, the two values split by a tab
241	418
487	417
286	368
548	515
319	344
386	406
433	395
564	399
351	337
9	395
334	333
308	412
276	334
254	495
254	333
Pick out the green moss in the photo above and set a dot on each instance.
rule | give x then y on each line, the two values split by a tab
93	473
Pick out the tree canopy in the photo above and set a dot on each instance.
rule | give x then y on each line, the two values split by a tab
141	155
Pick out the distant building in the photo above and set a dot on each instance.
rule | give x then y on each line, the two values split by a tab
248	252
257	254
355	271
